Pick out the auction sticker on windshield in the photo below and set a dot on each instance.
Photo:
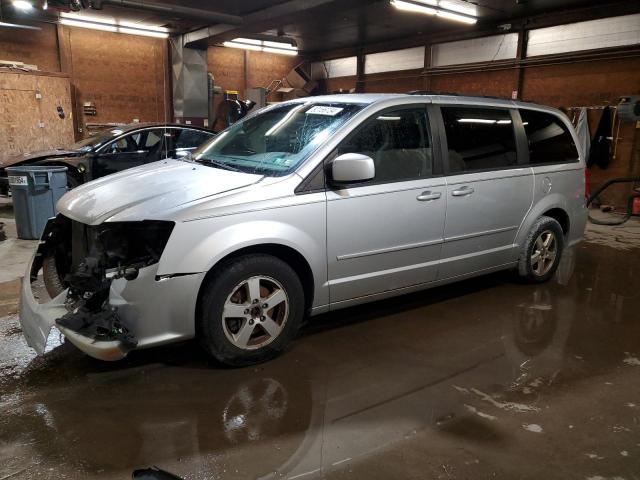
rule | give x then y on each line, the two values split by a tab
17	180
322	110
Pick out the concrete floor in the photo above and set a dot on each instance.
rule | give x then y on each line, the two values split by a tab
484	379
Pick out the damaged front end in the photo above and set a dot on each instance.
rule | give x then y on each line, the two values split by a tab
79	263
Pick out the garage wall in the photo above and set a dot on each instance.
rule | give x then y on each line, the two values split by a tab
33	47
124	75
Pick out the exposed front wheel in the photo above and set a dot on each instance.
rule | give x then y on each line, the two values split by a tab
542	250
250	309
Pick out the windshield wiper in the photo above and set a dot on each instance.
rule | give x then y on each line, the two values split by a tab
218	164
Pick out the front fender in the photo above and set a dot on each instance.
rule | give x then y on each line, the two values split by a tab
197	246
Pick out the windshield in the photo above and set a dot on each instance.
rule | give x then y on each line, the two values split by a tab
277	139
97	139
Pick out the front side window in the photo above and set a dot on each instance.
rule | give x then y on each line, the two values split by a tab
548	137
276	139
190	139
479	138
398	142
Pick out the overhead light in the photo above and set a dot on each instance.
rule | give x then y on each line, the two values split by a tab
451	9
504	122
269	46
112	25
22	5
17	25
92	25
476	120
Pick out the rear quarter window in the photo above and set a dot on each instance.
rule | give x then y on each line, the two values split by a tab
548	138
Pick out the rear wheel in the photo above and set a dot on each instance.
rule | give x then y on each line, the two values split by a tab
251	309
541	252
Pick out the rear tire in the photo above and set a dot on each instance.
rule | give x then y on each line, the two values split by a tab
250	310
542	251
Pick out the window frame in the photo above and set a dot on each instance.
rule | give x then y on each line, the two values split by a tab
519	137
525	138
432	132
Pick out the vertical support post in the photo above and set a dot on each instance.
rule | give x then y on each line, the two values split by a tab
427	66
521	54
360	59
189	83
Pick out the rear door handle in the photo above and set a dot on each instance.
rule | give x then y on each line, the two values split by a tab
428	196
462	191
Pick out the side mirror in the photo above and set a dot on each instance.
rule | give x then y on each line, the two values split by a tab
352	168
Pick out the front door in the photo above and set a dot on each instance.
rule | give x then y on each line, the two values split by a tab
488	191
386	233
137	148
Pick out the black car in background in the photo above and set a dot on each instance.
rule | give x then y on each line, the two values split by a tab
112	150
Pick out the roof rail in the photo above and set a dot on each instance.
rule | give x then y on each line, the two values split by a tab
427	92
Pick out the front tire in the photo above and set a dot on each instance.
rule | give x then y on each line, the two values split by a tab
542	251
250	310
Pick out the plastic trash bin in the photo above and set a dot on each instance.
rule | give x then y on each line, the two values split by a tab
35	191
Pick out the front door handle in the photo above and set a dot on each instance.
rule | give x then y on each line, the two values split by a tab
462	191
428	196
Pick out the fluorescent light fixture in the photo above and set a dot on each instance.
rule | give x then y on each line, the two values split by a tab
17	25
449	9
144	33
476	120
457	17
412	7
22	5
268	46
94	26
504	122
240	45
112	25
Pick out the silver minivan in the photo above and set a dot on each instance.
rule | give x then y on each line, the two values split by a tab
301	208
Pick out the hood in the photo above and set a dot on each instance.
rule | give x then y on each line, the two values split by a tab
38	155
141	193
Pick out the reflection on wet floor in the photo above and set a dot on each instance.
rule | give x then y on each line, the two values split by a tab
488	378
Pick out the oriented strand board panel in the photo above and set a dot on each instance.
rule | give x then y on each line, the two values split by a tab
19	115
34	47
57	132
28	123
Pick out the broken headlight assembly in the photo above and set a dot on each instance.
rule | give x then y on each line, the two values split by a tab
84	260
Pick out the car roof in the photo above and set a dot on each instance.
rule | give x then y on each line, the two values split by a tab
435	97
129	127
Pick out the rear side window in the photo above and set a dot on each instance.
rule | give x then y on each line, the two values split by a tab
548	137
479	138
397	141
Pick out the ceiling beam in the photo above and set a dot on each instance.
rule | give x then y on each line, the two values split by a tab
266	19
178	11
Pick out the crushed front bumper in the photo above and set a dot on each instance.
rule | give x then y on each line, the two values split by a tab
37	319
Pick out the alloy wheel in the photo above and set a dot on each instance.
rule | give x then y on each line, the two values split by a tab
544	253
255	312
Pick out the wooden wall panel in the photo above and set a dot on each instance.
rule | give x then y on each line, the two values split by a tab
57	132
21	113
19	116
36	47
